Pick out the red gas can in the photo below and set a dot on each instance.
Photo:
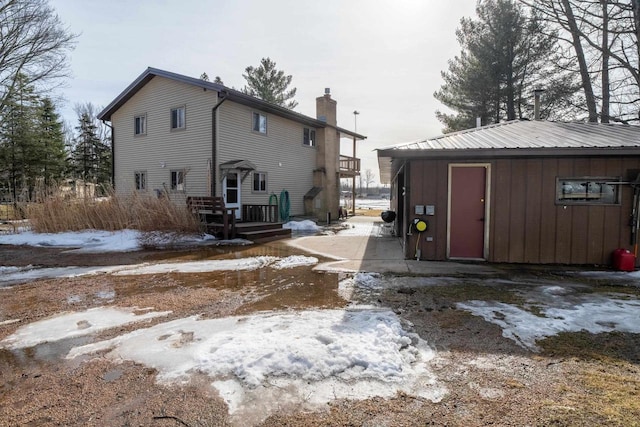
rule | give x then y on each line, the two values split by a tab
623	260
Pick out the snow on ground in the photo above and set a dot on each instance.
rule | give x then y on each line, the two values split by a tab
305	225
559	311
88	240
269	359
381	204
70	325
13	275
360	228
96	241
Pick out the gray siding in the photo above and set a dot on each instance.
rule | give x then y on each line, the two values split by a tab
188	149
280	153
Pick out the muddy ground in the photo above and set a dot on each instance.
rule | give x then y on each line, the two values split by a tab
576	380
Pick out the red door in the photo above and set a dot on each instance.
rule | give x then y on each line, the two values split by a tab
467	212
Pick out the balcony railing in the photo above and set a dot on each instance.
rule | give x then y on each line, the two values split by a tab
349	166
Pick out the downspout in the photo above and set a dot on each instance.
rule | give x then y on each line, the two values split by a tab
214	141
113	156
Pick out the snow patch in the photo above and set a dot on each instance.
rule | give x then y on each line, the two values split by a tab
595	315
69	325
305	225
274	358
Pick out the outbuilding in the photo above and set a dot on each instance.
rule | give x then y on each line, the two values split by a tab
517	192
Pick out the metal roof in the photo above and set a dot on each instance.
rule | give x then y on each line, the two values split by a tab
231	94
519	138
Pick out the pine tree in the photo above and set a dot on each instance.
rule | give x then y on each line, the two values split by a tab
270	84
85	154
19	154
51	142
505	56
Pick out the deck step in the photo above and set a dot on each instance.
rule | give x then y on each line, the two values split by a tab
265	235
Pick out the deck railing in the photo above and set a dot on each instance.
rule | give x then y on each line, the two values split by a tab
260	213
349	165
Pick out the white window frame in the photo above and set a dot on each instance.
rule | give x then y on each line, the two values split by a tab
140	180
140	125
176	179
309	137
259	122
262	179
180	118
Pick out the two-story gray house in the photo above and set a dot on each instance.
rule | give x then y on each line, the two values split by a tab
181	136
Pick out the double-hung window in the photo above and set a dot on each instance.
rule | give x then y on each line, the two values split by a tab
259	123
177	180
309	137
259	182
140	125
178	118
141	180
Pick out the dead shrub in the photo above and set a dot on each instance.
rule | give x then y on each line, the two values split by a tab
142	212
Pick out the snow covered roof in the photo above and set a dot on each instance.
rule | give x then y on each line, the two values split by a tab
519	138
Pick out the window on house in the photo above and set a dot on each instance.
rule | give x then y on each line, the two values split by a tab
587	190
309	137
177	180
178	118
259	182
141	180
259	123
140	125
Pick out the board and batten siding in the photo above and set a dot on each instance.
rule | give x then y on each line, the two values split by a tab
281	154
186	149
526	224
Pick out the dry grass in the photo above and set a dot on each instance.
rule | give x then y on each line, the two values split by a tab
140	212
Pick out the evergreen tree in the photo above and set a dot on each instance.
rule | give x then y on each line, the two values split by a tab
90	157
505	56
52	143
270	84
218	80
19	154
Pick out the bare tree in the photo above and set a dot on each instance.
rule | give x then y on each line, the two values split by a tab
33	43
604	36
369	178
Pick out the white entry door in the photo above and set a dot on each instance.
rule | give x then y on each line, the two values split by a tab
231	191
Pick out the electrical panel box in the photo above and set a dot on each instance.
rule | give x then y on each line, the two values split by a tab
430	210
419	210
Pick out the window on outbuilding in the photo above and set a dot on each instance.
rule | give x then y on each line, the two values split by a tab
587	190
309	137
259	182
259	123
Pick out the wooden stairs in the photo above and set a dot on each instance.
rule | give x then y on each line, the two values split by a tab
261	232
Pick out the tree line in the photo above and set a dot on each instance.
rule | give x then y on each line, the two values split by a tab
584	54
36	149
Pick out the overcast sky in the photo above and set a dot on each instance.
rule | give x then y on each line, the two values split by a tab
382	58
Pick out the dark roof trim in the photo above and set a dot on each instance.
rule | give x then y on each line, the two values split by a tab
232	95
506	153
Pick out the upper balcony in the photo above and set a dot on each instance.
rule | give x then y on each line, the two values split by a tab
349	166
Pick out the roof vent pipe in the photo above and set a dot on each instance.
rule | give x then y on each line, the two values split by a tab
537	93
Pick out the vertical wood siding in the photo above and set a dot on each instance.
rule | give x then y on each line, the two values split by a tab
526	225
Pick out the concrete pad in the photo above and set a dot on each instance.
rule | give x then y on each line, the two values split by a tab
365	246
